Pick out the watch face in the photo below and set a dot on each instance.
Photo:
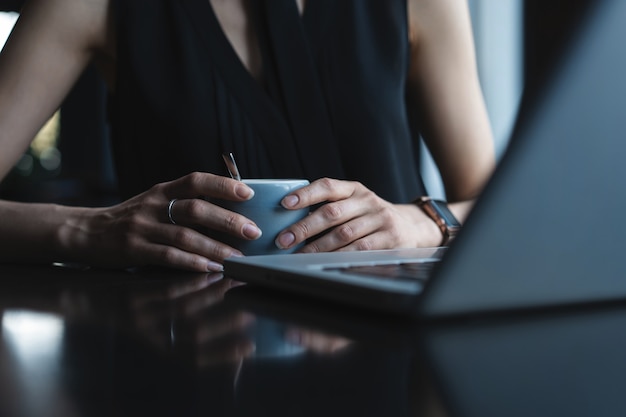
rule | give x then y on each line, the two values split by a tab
445	214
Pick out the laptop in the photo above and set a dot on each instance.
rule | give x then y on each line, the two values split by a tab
547	230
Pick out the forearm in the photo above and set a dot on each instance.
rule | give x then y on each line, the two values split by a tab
37	233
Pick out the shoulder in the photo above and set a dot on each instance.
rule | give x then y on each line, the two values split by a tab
78	23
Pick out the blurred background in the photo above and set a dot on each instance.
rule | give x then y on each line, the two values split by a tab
70	161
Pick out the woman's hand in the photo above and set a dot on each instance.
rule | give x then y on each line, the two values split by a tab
354	218
140	231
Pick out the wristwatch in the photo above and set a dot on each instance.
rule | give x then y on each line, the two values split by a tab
440	213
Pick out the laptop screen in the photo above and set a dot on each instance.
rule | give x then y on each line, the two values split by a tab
549	227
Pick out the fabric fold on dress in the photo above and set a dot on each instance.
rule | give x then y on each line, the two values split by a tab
300	90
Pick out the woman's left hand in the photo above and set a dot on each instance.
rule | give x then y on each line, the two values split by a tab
354	218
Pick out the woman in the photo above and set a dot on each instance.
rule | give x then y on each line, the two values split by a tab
333	91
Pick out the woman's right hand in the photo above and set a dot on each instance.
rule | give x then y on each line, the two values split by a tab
139	231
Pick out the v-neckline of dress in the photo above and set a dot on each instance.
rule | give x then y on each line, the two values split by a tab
235	74
266	107
232	55
206	23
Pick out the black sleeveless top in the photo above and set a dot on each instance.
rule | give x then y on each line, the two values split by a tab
331	103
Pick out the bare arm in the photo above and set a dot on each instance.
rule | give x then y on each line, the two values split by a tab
443	79
51	44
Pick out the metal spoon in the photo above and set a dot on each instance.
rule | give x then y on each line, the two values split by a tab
231	165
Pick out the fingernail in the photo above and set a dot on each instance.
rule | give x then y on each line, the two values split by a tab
290	201
214	267
285	240
244	191
251	232
236	254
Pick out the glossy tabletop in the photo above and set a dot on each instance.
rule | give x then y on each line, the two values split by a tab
76	342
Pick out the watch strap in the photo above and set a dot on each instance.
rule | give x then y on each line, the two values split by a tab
447	223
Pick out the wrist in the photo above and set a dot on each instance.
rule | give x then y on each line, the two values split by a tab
73	233
443	217
34	232
426	233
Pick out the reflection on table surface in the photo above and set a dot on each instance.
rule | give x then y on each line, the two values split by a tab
79	342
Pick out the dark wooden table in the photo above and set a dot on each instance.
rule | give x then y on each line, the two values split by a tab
85	342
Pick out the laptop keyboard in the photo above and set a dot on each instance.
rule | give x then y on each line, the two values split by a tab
420	271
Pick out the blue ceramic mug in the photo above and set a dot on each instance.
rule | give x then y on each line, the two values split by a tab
265	210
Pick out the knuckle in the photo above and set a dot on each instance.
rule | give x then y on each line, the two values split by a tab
197	263
358	185
193	208
132	225
326	182
300	229
221	252
158	189
345	234
386	214
230	222
153	201
183	238
193	182
313	247
332	211
371	199
225	186
195	179
364	244
169	255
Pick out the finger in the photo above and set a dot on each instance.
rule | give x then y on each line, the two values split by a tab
325	217
344	234
198	212
322	190
176	246
169	256
191	241
375	241
206	185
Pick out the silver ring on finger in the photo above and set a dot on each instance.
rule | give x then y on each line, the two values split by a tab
169	210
